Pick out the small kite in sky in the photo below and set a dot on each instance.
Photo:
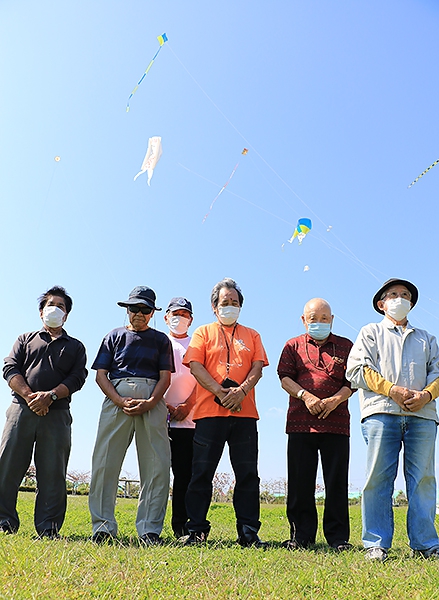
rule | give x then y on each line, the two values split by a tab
162	40
224	186
302	228
305	268
423	173
329	228
57	158
152	157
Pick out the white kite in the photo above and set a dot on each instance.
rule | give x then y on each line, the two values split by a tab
152	157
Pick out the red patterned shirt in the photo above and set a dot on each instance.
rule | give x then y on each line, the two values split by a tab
321	371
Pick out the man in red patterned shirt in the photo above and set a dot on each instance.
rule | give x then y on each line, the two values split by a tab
312	370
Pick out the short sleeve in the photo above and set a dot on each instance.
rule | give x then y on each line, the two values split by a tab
196	350
287	363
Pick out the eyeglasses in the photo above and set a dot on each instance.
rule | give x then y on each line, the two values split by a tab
393	295
145	310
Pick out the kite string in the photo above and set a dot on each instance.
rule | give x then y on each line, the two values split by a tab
267	164
313	235
236	195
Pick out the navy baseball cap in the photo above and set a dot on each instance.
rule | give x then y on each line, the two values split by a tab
179	303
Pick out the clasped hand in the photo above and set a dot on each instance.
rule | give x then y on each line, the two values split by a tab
232	398
178	413
136	406
411	400
39	402
320	407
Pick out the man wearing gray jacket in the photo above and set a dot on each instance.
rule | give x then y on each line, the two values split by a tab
395	366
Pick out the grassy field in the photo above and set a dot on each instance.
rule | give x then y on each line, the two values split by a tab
74	567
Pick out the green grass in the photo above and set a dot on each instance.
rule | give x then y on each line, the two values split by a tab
74	567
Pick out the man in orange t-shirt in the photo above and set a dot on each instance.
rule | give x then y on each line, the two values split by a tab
226	359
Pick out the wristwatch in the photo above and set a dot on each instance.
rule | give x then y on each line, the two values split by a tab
300	394
53	396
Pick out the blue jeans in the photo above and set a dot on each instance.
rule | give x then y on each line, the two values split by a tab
384	435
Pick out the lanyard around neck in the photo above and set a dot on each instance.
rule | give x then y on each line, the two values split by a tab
227	345
324	367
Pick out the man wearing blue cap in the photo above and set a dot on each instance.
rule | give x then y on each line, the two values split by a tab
395	366
180	400
133	366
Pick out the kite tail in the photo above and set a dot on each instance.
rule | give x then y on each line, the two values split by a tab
423	173
221	191
162	39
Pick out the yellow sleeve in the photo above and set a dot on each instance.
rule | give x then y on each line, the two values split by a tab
433	388
378	384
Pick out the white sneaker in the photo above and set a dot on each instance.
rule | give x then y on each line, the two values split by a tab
376	553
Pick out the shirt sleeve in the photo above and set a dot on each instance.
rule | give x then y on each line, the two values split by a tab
105	355
196	350
287	363
433	389
166	358
433	363
259	353
78	374
14	362
364	353
376	382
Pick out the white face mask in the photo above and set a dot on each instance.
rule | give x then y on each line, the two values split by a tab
228	314
397	308
178	324
53	316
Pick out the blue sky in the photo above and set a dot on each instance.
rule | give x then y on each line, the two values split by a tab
337	103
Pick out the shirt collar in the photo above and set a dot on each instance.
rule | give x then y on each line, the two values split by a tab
44	330
310	340
391	325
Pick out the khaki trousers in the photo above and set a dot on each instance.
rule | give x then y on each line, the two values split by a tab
115	433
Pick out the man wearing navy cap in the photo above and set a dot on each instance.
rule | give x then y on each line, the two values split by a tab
133	369
180	400
396	368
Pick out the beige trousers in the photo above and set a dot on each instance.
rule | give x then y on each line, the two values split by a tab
115	433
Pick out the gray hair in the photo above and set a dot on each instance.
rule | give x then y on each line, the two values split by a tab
225	283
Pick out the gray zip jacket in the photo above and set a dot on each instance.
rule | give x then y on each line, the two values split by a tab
407	358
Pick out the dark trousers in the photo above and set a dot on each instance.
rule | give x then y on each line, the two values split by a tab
51	437
211	434
303	451
181	463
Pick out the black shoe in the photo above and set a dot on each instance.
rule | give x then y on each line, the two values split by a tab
432	553
180	532
194	538
341	546
150	539
51	534
102	537
248	536
294	545
254	543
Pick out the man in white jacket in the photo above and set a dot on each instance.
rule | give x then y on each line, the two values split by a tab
395	366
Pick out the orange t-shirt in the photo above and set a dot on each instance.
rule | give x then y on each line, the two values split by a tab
209	347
